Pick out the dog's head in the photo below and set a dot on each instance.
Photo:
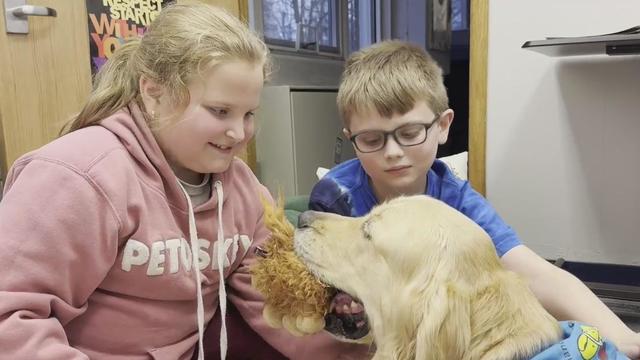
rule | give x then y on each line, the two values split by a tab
410	261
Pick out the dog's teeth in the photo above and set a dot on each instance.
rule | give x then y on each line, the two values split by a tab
355	307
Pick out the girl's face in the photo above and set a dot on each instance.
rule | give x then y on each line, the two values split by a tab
217	123
395	169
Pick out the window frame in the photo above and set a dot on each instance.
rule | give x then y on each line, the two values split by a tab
283	46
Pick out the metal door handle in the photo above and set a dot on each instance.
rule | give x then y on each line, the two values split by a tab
31	10
17	15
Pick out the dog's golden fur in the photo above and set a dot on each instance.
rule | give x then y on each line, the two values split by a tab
430	281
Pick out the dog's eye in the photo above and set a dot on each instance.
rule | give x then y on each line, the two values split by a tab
366	229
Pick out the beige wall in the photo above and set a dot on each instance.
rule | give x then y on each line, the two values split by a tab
562	133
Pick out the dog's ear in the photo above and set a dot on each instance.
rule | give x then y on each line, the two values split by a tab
445	329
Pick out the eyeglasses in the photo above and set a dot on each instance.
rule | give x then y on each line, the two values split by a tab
405	135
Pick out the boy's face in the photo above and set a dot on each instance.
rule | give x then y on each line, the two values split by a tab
396	169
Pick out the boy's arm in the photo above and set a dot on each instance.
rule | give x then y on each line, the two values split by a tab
545	279
567	298
326	196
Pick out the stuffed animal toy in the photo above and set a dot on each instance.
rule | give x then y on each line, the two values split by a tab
294	298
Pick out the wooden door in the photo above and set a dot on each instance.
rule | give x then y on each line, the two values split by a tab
46	75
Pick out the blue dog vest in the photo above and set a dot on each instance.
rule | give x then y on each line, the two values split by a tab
581	342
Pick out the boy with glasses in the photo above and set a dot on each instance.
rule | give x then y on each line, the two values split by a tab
395	111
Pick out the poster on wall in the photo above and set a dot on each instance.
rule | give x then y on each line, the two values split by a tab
440	25
112	22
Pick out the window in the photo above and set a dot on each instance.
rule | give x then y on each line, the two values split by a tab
324	27
361	23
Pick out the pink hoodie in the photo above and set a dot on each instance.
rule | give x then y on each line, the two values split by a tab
97	260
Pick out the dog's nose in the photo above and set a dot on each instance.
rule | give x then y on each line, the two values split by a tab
306	218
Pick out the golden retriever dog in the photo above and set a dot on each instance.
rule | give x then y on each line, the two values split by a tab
430	281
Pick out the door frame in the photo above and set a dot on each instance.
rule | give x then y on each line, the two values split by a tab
478	55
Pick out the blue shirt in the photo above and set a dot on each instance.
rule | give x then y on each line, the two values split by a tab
580	342
345	190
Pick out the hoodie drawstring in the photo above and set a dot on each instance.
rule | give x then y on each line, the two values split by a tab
221	257
193	240
222	291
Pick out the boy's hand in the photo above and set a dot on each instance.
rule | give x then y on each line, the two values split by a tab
630	345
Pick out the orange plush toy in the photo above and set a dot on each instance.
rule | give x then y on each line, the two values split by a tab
294	298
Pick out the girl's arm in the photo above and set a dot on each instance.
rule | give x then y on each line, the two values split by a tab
58	237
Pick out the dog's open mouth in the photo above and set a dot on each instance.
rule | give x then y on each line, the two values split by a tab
346	317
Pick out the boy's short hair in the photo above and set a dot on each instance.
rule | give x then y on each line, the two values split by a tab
390	77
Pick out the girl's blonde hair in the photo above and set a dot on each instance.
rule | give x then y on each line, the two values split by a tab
182	42
390	77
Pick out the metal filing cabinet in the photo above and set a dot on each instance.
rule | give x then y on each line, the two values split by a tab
298	130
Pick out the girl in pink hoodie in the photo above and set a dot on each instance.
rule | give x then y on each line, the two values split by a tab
122	238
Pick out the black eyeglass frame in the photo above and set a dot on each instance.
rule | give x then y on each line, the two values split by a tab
386	134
